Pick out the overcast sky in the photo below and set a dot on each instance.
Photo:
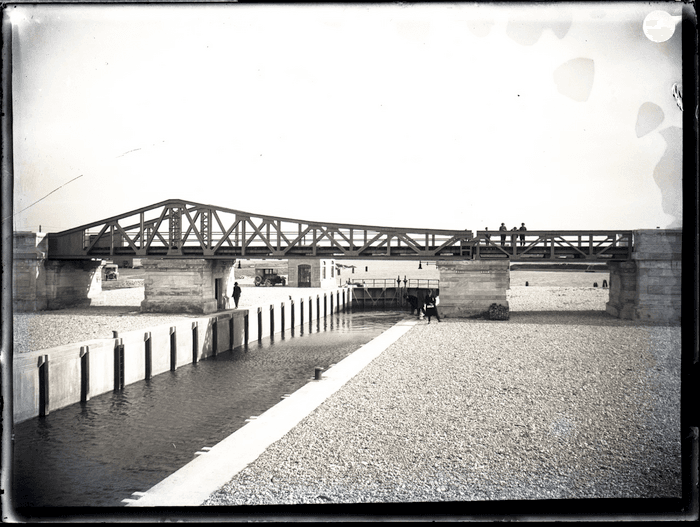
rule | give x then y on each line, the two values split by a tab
439	116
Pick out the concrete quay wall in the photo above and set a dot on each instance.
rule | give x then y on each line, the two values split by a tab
54	378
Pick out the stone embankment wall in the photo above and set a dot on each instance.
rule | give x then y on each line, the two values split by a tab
53	378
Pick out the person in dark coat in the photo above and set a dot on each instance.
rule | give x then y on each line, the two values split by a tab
430	306
503	238
413	300
522	236
236	293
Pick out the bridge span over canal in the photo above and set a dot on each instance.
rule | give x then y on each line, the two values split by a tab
189	250
179	229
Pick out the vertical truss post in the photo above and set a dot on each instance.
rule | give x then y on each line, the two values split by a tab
142	231
205	228
175	227
279	234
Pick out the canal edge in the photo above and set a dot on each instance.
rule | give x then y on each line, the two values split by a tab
192	484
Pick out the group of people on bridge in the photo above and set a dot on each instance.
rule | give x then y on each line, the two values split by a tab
513	236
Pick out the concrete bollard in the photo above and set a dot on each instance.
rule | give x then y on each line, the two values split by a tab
317	373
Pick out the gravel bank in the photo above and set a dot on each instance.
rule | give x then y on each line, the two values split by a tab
118	310
543	406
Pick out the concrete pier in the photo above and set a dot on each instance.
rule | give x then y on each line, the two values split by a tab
187	286
39	283
648	288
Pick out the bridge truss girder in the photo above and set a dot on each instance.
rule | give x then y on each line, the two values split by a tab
182	229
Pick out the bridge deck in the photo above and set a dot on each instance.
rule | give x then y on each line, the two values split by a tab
179	229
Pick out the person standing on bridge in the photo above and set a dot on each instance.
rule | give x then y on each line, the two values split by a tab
431	306
236	293
514	237
503	238
522	236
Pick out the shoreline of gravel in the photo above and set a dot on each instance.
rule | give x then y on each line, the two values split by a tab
487	410
119	310
115	310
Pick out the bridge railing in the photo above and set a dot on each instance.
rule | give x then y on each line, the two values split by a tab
553	245
429	283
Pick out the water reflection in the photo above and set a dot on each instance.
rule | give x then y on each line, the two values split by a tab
100	452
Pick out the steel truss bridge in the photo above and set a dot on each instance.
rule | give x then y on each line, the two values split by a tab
183	229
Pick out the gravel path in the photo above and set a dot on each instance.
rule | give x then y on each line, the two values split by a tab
548	405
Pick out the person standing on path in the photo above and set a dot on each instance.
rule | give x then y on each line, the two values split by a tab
236	293
413	301
522	236
503	238
431	306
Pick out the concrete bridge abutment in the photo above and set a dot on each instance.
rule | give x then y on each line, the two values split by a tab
187	286
648	288
42	284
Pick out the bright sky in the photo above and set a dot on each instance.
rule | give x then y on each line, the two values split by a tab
438	116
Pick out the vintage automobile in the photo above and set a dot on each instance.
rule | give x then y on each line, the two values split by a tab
268	277
110	271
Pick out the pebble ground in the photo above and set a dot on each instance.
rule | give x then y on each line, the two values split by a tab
527	409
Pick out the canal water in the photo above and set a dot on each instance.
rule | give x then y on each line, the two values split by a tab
97	453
